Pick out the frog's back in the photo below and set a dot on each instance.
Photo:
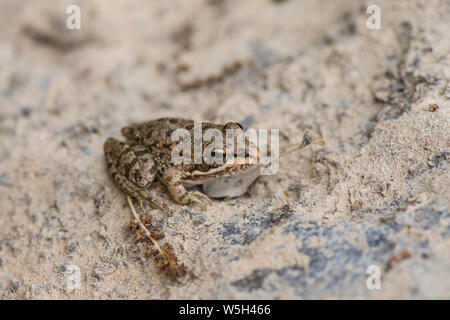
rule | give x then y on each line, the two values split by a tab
155	132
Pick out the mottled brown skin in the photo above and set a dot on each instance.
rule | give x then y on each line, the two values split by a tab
146	154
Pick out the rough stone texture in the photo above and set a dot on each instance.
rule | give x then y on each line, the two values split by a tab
377	194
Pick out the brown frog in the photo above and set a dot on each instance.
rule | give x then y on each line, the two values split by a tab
147	154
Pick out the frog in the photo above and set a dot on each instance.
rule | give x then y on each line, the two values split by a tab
146	155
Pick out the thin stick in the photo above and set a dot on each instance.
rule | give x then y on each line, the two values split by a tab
156	205
307	140
142	226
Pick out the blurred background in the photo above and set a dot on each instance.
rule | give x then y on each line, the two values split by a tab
377	194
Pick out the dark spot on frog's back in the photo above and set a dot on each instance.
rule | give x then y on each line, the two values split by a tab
149	134
141	153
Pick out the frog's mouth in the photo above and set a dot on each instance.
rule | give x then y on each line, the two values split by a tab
226	170
220	174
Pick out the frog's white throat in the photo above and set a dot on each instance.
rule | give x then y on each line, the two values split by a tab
231	185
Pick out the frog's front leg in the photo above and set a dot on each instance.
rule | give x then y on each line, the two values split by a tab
172	179
131	166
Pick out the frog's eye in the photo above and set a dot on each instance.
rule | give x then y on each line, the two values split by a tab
234	125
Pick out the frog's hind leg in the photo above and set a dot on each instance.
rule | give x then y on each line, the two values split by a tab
133	162
132	168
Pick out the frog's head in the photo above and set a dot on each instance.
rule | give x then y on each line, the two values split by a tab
235	155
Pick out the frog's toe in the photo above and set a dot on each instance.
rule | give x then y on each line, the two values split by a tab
197	197
205	198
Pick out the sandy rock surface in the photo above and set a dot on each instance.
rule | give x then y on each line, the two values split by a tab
376	194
